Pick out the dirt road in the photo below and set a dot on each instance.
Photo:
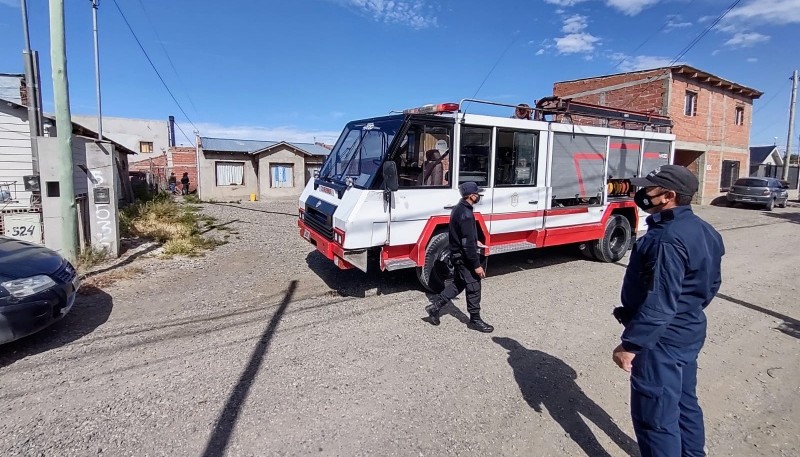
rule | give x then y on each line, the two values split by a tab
248	351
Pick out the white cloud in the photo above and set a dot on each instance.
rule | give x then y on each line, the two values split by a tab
631	7
637	63
540	52
250	132
752	60
415	13
576	43
675	21
715	52
767	12
574	24
746	39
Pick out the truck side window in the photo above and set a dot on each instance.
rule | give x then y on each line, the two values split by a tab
424	158
476	144
515	164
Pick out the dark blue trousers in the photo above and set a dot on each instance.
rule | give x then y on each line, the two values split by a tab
666	415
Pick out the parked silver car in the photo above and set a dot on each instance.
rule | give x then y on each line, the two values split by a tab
769	192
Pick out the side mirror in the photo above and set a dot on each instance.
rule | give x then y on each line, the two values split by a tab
390	176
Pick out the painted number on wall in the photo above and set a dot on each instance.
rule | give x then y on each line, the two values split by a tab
23	230
27	227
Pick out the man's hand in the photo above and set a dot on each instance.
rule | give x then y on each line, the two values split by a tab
623	358
479	271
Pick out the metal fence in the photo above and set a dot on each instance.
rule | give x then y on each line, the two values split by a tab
774	171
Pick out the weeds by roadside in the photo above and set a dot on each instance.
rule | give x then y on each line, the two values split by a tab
176	226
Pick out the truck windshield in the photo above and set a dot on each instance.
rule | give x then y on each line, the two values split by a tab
360	150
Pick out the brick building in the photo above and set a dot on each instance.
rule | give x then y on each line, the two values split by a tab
176	159
712	116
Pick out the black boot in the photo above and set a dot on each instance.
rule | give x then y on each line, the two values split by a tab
476	323
433	312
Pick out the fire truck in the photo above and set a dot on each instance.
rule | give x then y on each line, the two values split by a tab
556	173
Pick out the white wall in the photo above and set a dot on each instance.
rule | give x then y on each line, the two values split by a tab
129	132
15	153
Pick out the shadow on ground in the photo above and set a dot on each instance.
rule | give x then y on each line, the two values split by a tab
355	283
88	313
793	216
546	381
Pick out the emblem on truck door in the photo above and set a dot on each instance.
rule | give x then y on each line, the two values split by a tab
319	203
514	199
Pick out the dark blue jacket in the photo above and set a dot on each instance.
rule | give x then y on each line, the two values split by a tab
464	235
673	273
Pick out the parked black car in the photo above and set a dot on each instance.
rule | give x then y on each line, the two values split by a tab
769	192
37	288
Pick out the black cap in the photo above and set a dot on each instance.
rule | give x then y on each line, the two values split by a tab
672	177
469	188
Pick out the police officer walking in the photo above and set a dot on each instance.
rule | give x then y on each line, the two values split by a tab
672	275
466	261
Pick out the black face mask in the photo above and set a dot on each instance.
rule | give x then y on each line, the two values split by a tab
645	201
477	199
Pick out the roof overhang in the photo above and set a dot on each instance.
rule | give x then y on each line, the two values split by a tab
708	78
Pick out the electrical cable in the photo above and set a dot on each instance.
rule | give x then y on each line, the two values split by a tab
164	83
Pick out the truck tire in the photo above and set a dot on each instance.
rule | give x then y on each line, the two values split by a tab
616	240
433	274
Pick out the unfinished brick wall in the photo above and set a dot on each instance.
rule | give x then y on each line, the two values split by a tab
184	160
642	91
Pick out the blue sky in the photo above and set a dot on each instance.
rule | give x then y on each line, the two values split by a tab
298	69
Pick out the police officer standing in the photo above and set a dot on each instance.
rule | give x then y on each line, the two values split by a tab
672	275
466	261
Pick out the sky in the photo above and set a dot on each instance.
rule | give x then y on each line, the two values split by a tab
298	70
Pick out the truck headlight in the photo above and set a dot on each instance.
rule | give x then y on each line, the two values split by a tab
24	287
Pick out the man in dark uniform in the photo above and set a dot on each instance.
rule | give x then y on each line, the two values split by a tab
466	261
672	275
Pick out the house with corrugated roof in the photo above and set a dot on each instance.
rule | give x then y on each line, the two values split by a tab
231	169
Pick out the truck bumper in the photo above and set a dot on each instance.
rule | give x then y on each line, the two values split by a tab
328	248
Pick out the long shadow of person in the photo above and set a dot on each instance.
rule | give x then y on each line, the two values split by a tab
547	381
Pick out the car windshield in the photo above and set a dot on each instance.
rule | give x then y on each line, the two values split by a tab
360	150
750	182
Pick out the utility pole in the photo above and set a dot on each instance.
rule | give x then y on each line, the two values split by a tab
95	5
791	128
66	191
31	59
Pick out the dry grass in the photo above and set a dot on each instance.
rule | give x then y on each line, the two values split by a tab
175	225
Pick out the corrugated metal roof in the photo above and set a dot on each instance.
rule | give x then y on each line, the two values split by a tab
230	145
254	146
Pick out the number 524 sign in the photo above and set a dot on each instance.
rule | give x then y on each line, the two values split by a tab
26	227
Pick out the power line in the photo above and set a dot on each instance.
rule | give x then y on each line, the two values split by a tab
704	33
171	63
768	101
155	69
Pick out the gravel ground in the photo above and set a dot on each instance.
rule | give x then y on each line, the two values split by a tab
262	347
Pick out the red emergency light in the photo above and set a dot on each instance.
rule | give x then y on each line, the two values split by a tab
434	109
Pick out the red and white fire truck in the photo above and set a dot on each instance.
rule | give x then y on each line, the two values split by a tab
385	193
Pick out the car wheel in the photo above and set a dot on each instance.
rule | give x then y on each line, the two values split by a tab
783	205
770	204
433	274
615	241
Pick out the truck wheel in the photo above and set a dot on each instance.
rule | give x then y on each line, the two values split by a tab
615	241
433	274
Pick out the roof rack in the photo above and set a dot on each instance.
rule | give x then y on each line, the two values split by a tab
556	106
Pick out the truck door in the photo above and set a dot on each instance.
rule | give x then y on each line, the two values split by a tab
518	202
474	164
425	169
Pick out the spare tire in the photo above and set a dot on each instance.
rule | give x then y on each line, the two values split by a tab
616	239
436	270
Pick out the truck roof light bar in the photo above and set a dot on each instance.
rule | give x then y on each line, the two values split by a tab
433	109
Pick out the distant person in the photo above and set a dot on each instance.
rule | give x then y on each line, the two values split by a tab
522	111
173	183
673	274
185	183
466	258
